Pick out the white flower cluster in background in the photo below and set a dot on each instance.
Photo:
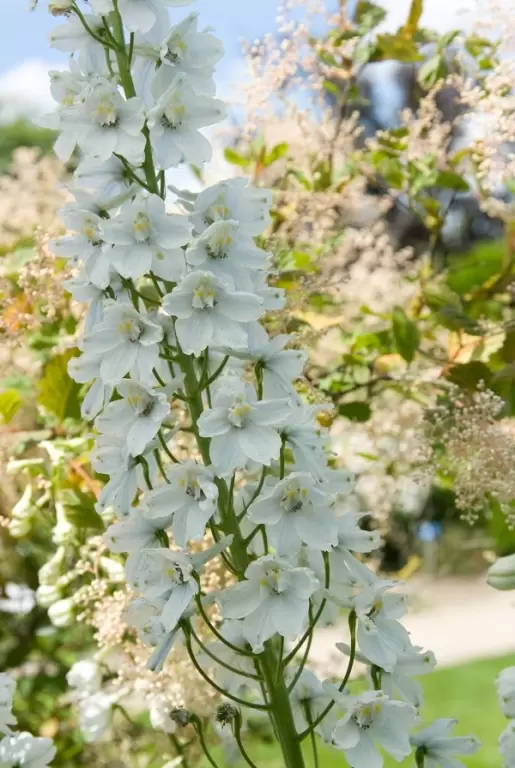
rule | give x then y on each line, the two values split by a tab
19	748
173	348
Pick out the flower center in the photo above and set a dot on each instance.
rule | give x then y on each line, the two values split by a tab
239	412
173	115
141	227
204	297
293	498
364	716
176	573
218	246
131	330
105	114
91	233
176	50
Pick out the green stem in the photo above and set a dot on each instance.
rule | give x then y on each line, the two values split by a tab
237	736
352	656
197	724
420	757
180	750
281	712
314	745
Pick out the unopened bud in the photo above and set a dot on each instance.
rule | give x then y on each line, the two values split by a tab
225	714
501	575
180	717
60	7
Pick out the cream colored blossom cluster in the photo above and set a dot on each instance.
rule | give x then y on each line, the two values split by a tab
479	452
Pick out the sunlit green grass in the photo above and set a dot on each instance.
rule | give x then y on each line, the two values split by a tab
466	692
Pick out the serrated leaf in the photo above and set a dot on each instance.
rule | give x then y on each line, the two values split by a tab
355	411
235	158
10	403
57	392
405	334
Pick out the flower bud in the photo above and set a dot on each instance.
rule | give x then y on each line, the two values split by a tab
60	7
61	613
501	575
47	595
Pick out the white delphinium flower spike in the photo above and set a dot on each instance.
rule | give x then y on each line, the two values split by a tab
296	511
137	416
175	121
241	427
439	748
231	681
208	312
125	471
372	719
128	341
143	15
187	502
274	598
144	237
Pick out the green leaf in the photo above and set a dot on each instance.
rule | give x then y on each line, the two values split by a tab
439	295
10	403
80	510
469	375
235	158
58	393
452	180
368	15
508	348
275	153
397	47
355	411
405	334
456	320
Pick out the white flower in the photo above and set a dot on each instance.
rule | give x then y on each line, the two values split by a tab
307	439
128	341
144	237
273	599
308	700
85	676
506	691
242	428
95	715
159	711
439	748
137	417
234	200
228	252
296	511
181	50
72	36
380	636
142	15
372	719
107	176
161	573
7	689
352	537
399	682
145	617
231	681
186	503
112	458
133	533
279	366
109	124
507	745
209	313
174	122
23	750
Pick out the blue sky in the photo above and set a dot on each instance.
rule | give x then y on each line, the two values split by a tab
25	34
26	57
